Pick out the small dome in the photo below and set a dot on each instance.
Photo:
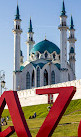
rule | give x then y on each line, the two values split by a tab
45	45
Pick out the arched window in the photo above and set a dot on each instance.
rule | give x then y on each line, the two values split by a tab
16	26
62	23
31	39
46	54
45	77
38	77
59	57
68	77
37	55
28	80
52	77
33	80
54	56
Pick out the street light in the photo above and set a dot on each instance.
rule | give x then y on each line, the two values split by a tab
2	85
2	82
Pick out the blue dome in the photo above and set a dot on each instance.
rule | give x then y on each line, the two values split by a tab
45	45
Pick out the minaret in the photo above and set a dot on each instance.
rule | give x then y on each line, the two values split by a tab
30	42
63	43
17	33
72	41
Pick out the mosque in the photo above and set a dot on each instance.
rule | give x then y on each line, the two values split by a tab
46	63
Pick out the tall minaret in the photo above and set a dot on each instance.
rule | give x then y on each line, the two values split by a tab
63	43
30	42
72	40
17	33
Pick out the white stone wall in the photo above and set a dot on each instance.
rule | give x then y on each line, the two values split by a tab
29	97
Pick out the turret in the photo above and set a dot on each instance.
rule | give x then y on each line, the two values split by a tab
63	42
17	47
30	42
72	41
63	37
17	33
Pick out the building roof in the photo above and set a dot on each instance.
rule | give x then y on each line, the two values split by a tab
17	13
71	24
57	65
45	45
63	12
30	26
21	68
41	65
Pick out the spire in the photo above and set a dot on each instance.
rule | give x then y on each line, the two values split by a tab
30	26
63	12
71	25
45	36
17	12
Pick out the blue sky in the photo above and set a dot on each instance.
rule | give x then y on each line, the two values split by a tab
45	19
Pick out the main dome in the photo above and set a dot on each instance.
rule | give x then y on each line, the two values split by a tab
45	45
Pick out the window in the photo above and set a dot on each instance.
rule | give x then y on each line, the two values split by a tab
59	57
54	56
37	55
68	77
45	77
28	80
38	77
33	84
31	39
64	23
46	54
52	77
18	27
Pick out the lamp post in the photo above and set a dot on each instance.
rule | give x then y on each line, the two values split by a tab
2	85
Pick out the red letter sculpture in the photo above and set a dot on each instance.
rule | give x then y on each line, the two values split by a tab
20	126
79	130
58	109
11	99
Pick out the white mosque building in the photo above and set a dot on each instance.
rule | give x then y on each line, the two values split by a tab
46	64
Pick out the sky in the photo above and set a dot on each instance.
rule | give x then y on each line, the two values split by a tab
45	19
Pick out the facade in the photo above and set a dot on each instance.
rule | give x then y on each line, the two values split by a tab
46	64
